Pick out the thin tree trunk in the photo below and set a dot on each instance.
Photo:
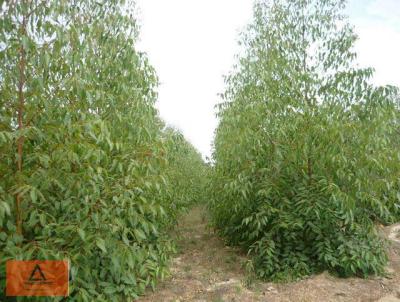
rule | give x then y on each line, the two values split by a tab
20	112
308	102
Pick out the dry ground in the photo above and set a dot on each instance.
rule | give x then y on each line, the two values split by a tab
207	270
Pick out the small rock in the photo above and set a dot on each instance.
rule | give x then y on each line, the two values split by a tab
272	290
341	294
222	284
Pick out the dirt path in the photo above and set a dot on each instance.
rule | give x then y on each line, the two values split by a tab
207	270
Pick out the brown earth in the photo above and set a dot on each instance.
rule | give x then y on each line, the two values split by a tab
207	270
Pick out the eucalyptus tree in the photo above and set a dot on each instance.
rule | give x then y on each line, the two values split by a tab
187	171
83	158
304	157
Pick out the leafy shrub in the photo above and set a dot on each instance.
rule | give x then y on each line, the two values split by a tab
85	163
305	158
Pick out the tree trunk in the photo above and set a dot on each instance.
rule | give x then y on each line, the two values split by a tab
20	113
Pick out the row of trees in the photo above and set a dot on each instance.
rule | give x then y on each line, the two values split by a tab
89	172
306	156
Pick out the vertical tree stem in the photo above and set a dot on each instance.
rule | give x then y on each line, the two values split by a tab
308	101
20	141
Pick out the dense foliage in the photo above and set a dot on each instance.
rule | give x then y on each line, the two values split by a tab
306	153
187	171
88	171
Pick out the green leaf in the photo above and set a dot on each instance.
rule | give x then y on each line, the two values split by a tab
101	244
139	234
33	195
82	234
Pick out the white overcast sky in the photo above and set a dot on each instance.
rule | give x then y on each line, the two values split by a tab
192	43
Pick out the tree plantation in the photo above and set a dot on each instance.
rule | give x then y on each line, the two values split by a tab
306	153
305	162
88	170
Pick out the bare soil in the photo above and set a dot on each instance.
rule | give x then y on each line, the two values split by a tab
205	269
